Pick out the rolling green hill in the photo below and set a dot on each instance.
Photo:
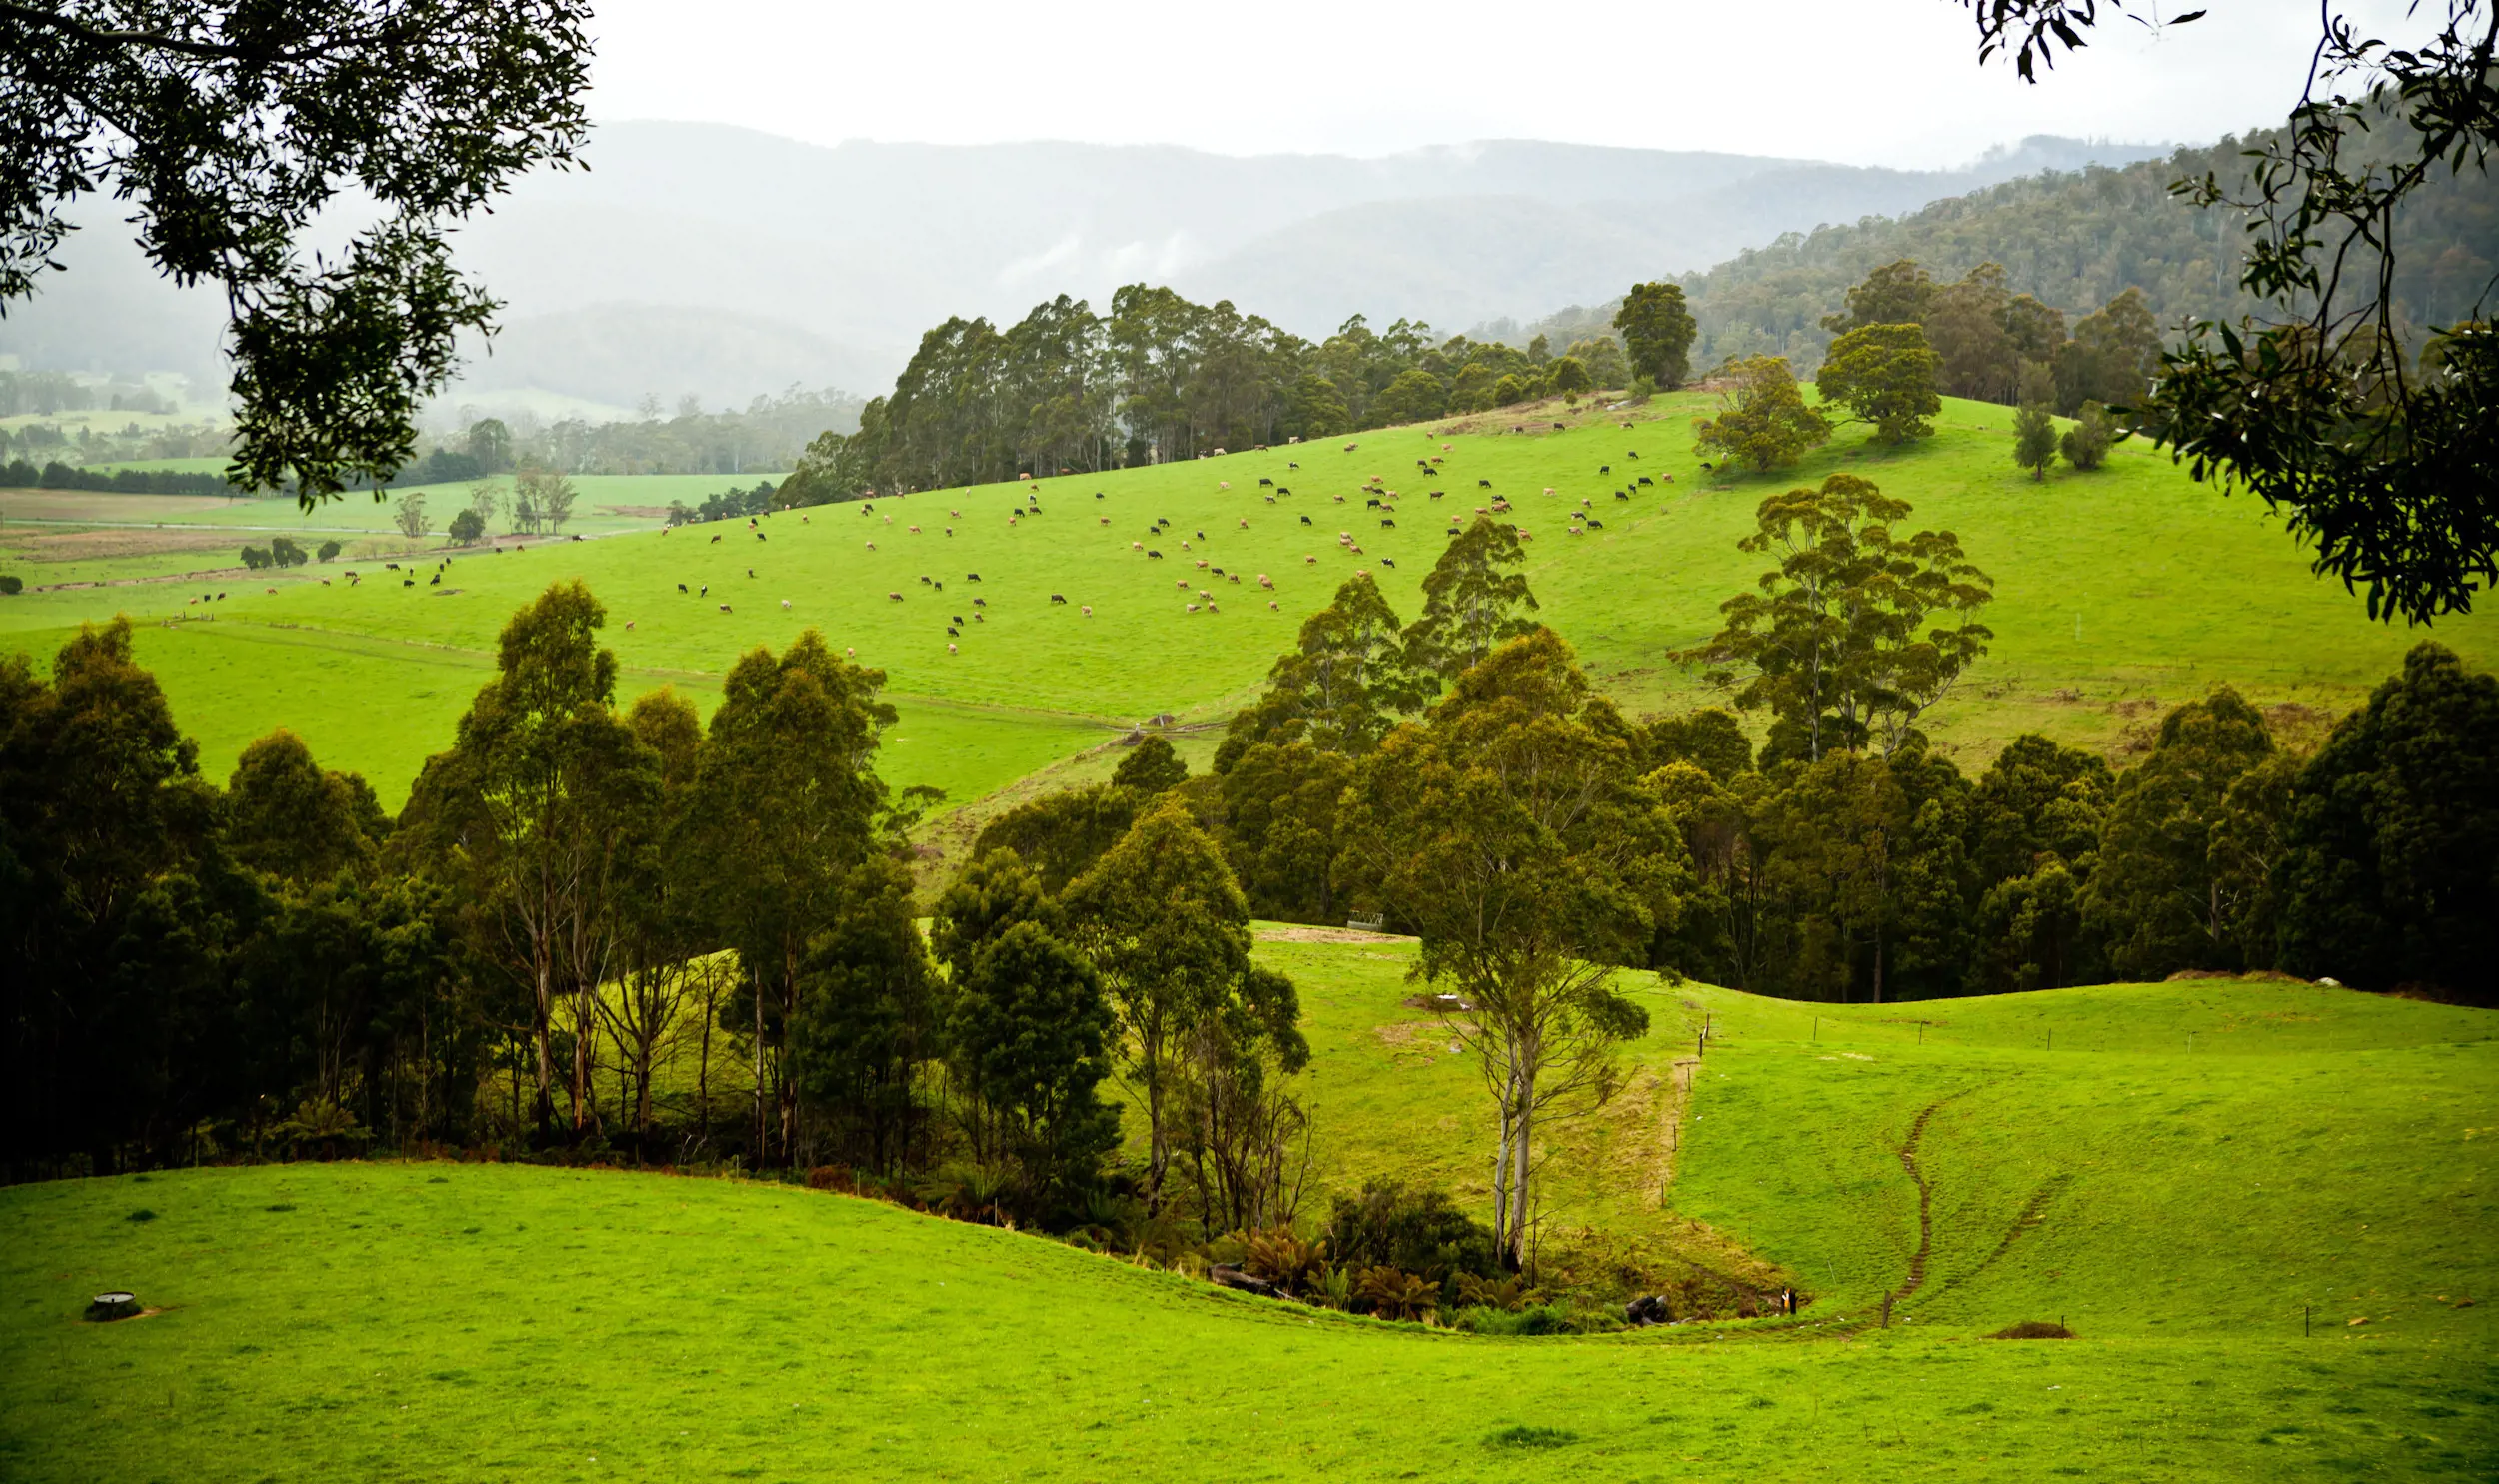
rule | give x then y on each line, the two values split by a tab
2177	1206
2114	589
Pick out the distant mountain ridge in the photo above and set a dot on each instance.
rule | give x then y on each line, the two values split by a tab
720	262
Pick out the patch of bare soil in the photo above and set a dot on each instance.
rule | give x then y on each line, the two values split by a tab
637	512
1326	936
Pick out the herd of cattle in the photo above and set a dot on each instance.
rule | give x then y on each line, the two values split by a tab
1378	499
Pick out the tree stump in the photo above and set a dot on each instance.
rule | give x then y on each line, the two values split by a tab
109	1306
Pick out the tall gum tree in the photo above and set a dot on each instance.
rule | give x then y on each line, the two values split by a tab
1510	831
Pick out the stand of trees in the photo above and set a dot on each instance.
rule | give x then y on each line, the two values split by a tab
1159	378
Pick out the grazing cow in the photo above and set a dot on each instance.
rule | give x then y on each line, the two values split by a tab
1483	483
1312	559
1605	469
1262	484
1244	523
785	604
1086	608
1443	493
1290	462
1274	606
1281	489
1557	427
1058	598
1192	608
1222	484
715	539
1645	480
705	591
1097	493
1203	593
1157	555
924	577
1619	495
270	589
1633	453
1349	448
750	572
980	603
1137	546
681	587
951	514
954	632
759	536
872	546
1265	580
913	530
1229	577
937	587
723	608
1669	479
403	582
893	596
1105	520
1181	582
1388	525
1595	524
628	624
1340	500
950	648
1703	463
972	576
1372	502
1184	545
1219	572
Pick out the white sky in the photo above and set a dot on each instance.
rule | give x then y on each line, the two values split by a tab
1888	81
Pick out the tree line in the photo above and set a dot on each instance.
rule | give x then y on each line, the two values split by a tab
1159	378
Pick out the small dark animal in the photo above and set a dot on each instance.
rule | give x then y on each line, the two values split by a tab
1557	427
1306	519
940	586
1387	561
1281	489
1386	524
958	618
895	597
924	577
1157	556
1704	463
1483	483
980	603
1266	481
759	536
1632	453
435	581
681	587
972	576
1618	495
715	539
1201	536
1605	469
1097	493
1437	493
953	632
393	566
707	590
1058	598
1291	463
1595	524
1371	503
1645	480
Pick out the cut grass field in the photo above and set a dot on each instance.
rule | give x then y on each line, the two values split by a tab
2175	1207
2118	591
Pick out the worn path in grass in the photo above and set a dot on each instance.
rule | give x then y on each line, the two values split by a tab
2118	591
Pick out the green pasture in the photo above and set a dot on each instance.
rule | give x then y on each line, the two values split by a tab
450	1321
2118	591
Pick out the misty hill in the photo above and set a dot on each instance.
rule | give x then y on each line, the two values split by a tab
726	262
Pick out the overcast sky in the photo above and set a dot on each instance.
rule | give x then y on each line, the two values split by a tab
1873	82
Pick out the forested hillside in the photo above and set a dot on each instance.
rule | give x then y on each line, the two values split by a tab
2077	240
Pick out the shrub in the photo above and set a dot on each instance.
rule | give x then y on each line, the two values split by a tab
1392	1295
2085	445
329	551
11	585
1416	1231
1531	1437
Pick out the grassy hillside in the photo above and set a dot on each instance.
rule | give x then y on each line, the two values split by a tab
2116	591
459	1322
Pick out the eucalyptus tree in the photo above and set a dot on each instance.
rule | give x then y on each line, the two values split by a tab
1510	831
